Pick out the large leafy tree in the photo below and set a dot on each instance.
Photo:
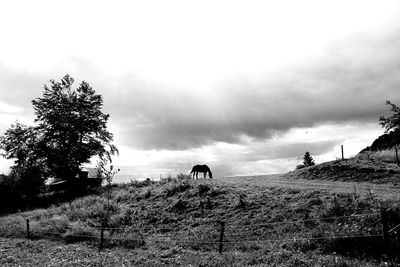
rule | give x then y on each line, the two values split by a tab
72	126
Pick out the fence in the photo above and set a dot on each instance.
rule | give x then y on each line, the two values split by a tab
225	235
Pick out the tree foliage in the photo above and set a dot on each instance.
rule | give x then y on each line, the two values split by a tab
73	126
391	123
70	129
308	160
21	143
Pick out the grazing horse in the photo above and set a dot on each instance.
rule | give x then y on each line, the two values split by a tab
201	168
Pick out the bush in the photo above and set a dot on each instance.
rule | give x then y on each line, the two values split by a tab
79	231
143	183
180	205
127	238
301	166
203	189
20	189
177	188
182	176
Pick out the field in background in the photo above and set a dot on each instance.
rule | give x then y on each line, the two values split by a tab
380	191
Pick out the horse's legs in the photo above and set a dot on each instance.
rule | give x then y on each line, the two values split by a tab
197	174
205	174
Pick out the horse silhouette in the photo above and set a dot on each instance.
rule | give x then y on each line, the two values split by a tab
201	168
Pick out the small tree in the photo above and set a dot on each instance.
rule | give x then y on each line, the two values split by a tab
392	126
23	144
308	160
391	123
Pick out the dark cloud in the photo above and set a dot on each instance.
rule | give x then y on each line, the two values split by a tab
18	87
349	82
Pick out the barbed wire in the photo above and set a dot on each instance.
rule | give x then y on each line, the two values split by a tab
294	238
394	206
310	220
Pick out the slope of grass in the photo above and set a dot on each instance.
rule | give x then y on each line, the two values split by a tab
374	167
181	218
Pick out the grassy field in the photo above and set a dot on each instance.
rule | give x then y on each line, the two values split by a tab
21	252
176	222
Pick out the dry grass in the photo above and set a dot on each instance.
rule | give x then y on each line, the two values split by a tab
179	218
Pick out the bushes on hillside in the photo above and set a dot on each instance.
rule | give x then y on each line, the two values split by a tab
20	188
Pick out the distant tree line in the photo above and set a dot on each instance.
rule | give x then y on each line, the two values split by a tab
70	128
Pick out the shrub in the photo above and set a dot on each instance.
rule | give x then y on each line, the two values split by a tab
203	189
79	231
177	188
241	202
143	183
182	176
180	205
147	194
128	239
12	226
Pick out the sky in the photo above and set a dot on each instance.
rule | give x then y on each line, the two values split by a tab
245	87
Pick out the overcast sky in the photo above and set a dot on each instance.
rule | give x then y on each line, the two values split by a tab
243	86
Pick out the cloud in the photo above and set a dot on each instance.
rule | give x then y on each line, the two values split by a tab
349	82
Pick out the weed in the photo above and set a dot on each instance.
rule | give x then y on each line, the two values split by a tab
79	231
180	206
203	189
148	194
177	188
182	176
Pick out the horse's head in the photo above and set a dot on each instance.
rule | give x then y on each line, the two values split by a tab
210	174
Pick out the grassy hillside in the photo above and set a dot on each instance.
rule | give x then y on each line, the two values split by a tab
180	220
375	167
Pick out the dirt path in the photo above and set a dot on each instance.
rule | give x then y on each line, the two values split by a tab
383	191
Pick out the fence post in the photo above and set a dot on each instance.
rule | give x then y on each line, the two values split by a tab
221	237
342	152
397	156
385	228
28	236
101	237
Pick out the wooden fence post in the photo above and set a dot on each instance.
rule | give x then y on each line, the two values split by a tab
385	228
342	152
101	237
28	236
221	237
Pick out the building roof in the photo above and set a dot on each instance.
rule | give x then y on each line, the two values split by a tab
93	172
